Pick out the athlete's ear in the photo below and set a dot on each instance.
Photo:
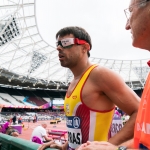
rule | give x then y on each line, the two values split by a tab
86	47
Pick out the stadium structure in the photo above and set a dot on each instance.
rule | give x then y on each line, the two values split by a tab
28	63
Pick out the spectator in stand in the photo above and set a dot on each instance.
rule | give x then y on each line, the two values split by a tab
29	119
12	132
40	132
20	120
5	126
14	119
35	118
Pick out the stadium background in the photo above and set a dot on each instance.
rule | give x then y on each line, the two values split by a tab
30	72
29	66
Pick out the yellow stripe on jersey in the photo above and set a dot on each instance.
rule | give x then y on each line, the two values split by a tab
102	125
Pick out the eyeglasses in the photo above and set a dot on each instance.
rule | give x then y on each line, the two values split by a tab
68	42
128	11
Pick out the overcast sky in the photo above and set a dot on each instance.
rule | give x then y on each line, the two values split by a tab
104	20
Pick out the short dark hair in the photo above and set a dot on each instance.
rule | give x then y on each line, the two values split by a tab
10	131
78	32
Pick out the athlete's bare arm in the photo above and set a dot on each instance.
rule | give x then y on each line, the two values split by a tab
52	144
113	90
129	144
104	145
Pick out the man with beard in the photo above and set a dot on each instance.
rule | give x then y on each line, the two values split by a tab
92	94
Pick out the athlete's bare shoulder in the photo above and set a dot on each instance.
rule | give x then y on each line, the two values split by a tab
104	74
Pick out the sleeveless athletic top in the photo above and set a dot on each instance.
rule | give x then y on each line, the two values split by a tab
85	124
142	124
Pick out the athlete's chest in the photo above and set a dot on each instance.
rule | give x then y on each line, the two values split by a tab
73	85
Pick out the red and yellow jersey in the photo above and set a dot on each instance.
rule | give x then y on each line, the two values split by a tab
85	124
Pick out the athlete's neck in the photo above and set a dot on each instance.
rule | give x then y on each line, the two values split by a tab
79	70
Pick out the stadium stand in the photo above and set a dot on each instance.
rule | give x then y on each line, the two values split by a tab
36	101
20	98
47	99
4	102
10	99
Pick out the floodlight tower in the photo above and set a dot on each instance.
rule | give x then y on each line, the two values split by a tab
9	29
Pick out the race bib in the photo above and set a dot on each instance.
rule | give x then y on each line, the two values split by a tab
116	126
74	131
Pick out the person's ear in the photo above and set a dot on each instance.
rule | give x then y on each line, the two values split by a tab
86	47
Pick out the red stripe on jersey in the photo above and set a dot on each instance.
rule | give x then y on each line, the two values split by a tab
84	114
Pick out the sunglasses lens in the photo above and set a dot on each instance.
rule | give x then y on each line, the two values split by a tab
65	43
59	43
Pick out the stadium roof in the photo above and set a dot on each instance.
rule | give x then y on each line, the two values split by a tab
28	60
